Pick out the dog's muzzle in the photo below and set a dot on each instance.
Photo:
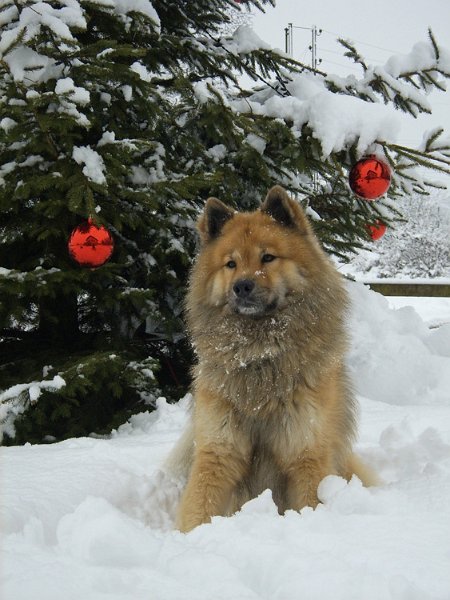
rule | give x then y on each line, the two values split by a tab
249	299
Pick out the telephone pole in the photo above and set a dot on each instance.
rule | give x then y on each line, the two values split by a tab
289	42
313	47
289	47
289	39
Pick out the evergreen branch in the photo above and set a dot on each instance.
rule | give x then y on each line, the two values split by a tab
15	43
390	87
432	138
434	44
418	158
353	53
251	71
409	79
416	153
433	81
274	67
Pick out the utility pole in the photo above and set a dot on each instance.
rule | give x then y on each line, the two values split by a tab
289	46
289	42
313	47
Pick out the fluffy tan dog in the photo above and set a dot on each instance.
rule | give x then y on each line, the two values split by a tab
273	406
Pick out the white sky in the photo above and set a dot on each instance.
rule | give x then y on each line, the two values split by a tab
379	29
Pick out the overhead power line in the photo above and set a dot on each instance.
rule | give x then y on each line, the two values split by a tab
338	35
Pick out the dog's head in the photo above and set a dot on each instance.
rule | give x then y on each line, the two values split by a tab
253	264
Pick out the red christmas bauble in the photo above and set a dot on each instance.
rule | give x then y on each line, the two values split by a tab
89	245
370	178
376	230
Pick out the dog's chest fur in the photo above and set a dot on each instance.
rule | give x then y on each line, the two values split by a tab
259	366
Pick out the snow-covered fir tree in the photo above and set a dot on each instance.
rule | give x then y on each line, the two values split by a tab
132	113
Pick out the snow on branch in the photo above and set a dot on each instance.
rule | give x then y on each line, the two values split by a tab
244	40
54	21
26	25
94	166
17	398
404	79
337	121
352	114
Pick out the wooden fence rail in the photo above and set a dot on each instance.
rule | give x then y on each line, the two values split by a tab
437	290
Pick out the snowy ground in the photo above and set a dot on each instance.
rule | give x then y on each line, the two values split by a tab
92	519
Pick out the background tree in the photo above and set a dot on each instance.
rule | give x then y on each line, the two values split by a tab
132	114
418	248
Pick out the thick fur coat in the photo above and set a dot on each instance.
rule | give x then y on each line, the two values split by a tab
273	405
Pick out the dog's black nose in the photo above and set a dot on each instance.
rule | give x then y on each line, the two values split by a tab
243	288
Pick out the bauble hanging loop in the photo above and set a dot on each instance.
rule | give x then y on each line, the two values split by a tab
89	245
370	178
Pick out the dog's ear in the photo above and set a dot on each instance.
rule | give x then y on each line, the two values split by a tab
284	210
214	217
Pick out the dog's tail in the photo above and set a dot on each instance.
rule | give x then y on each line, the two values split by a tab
367	476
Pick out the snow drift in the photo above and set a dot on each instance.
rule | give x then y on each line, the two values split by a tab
93	518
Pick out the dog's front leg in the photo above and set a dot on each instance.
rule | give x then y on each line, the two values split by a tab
303	477
215	472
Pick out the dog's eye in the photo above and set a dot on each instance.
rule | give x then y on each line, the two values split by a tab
267	258
231	264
